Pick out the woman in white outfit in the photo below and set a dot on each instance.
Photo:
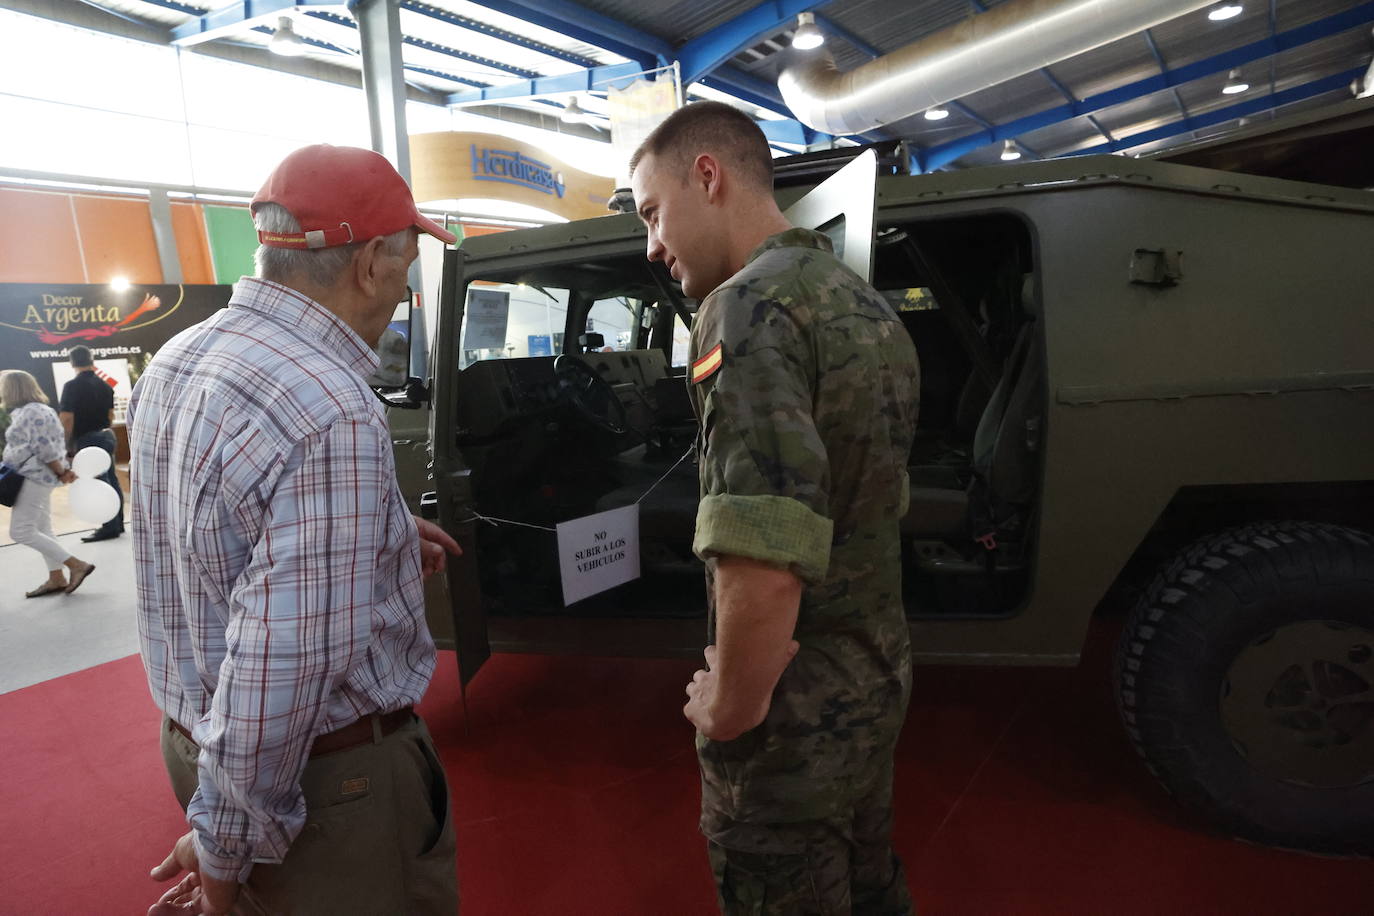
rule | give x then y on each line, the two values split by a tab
36	444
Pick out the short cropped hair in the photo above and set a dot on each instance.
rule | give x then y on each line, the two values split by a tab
712	127
18	388
80	357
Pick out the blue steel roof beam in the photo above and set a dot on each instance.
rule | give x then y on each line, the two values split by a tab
709	50
1164	68
186	8
978	119
755	92
1097	125
1355	17
225	22
972	115
791	132
600	31
589	27
312	42
1073	102
1230	113
441	75
581	81
764	95
353	52
470	58
347	22
473	25
127	18
1058	86
832	27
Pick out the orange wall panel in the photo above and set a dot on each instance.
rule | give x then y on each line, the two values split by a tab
117	240
472	230
38	241
193	248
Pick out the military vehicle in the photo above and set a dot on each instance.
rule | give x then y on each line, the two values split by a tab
1143	385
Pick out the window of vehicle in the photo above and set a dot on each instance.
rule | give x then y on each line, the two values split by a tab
616	320
512	320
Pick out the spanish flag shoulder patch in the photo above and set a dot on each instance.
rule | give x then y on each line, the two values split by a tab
705	367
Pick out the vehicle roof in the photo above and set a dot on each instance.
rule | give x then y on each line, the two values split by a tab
994	181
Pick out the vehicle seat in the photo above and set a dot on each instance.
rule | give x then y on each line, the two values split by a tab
669	512
1004	453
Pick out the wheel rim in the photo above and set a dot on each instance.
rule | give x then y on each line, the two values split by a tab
1298	704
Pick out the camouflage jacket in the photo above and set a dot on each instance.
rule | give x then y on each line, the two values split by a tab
806	386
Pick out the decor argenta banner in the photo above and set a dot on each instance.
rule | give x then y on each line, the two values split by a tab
41	322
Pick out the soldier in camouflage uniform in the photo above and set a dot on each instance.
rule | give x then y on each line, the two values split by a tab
806	386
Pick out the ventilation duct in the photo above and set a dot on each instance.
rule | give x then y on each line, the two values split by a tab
1007	41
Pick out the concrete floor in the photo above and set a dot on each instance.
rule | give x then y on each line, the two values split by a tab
43	638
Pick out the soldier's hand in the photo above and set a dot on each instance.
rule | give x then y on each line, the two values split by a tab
714	715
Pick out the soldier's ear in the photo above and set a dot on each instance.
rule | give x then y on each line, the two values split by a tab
707	175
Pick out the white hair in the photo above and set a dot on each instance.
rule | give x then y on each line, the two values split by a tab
321	266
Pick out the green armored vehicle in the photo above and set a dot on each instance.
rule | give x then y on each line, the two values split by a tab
1143	385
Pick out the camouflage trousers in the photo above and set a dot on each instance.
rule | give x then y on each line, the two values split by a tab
835	867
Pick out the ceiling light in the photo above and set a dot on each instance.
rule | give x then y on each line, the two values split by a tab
573	113
1234	84
937	113
1010	153
1223	11
286	42
807	36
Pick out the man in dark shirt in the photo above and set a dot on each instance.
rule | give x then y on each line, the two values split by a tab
86	410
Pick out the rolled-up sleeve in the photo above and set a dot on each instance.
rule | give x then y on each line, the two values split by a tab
765	473
299	621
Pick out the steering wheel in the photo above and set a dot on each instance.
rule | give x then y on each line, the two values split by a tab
590	394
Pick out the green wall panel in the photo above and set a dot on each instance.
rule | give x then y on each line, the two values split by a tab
232	242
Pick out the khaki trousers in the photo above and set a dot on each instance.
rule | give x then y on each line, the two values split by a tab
378	838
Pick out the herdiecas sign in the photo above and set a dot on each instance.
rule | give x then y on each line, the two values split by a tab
514	167
454	166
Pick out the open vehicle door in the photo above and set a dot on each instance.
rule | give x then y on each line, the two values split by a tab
467	356
451	502
844	207
403	383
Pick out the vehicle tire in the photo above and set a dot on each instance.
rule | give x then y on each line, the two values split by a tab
1245	681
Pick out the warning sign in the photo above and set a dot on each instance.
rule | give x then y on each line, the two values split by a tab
598	552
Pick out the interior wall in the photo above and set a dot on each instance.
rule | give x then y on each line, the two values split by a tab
68	237
53	236
38	238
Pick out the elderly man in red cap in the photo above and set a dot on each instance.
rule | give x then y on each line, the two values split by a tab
280	600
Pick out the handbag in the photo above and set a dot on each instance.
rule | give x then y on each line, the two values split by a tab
10	482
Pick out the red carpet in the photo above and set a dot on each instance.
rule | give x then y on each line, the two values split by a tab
576	788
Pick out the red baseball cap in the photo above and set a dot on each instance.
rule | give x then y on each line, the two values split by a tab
341	195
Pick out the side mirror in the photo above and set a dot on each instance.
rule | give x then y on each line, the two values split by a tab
399	379
412	397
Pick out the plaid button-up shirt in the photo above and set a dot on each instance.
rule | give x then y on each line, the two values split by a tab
278	569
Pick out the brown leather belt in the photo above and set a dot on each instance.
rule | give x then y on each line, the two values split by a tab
352	735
